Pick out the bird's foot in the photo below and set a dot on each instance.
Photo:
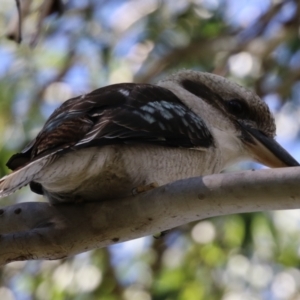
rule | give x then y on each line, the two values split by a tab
144	188
161	234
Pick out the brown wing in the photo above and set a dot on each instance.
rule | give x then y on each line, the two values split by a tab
117	114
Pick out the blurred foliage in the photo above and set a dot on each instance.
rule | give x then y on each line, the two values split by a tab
71	47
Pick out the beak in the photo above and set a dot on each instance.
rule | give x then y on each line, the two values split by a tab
266	150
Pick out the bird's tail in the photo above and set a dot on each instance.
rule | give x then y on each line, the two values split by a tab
21	177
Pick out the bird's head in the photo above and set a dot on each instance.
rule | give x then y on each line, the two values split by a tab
240	121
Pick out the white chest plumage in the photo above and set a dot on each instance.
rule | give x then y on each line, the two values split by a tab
113	171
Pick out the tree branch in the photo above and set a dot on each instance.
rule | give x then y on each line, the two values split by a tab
41	231
14	28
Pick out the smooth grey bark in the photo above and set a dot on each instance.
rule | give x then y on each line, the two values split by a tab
41	231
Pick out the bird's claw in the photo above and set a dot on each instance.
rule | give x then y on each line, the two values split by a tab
144	188
161	234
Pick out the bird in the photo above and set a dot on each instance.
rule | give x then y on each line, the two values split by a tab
104	144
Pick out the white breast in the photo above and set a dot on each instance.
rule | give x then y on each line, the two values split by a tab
113	171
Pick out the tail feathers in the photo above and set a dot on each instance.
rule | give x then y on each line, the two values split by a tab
21	177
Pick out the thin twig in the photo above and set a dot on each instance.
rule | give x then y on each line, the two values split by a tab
14	27
19	36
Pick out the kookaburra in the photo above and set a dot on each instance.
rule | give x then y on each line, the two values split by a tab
104	144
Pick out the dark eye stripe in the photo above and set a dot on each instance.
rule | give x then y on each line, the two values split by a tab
206	94
202	91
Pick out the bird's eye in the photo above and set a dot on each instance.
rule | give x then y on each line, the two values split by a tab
237	107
